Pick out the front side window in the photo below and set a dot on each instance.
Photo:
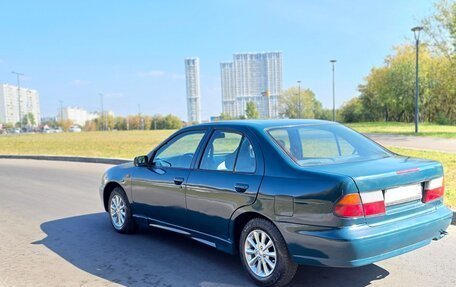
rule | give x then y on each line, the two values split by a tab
325	144
179	152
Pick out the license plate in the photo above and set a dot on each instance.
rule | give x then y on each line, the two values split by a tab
403	194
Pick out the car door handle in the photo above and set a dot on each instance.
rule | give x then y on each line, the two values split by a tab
241	187
178	180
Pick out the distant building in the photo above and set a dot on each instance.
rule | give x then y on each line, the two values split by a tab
14	108
193	89
252	77
48	119
228	89
214	119
78	116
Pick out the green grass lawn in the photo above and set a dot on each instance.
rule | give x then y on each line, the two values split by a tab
432	130
128	144
119	144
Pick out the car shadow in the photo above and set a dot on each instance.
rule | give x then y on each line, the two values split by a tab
157	257
453	220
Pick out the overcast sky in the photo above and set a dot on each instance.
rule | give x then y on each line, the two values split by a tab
133	51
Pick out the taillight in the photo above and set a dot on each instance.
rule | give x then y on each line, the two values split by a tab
373	202
349	206
368	204
433	189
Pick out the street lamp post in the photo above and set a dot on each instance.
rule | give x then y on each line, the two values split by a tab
416	32
299	100
18	75
102	112
333	90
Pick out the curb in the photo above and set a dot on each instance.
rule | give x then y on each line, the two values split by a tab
68	158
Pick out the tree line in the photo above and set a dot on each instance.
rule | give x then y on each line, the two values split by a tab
388	92
131	122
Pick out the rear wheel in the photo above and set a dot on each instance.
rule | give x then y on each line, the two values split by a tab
120	212
264	254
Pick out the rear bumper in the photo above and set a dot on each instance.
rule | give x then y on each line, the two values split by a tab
361	245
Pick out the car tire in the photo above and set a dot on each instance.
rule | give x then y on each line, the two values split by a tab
120	212
284	268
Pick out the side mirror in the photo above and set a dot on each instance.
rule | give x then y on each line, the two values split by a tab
141	161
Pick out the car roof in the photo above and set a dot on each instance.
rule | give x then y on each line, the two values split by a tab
263	124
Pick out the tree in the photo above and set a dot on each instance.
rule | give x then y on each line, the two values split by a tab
225	117
290	100
352	111
120	123
29	119
24	120
65	124
157	122
90	126
440	28
172	122
134	122
251	111
388	92
110	122
7	126
440	33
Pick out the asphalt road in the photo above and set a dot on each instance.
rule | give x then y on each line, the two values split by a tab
415	142
53	232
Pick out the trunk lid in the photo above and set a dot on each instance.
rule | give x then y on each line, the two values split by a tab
401	180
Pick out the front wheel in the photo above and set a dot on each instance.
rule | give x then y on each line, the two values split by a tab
120	212
264	254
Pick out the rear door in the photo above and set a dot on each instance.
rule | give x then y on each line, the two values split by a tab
228	176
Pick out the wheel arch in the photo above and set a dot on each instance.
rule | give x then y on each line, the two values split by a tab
110	186
240	221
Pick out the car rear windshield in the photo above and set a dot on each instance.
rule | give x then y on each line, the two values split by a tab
325	144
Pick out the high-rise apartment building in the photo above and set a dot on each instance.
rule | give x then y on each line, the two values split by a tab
252	77
193	90
228	89
78	116
13	108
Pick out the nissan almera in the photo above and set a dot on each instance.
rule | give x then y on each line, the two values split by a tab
281	193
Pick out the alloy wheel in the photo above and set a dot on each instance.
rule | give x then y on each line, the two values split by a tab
118	211
260	253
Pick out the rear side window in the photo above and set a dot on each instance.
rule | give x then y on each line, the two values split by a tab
281	137
229	151
246	158
221	151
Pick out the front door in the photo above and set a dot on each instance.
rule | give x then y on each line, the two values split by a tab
159	191
228	177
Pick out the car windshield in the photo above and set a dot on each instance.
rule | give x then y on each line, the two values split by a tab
325	144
